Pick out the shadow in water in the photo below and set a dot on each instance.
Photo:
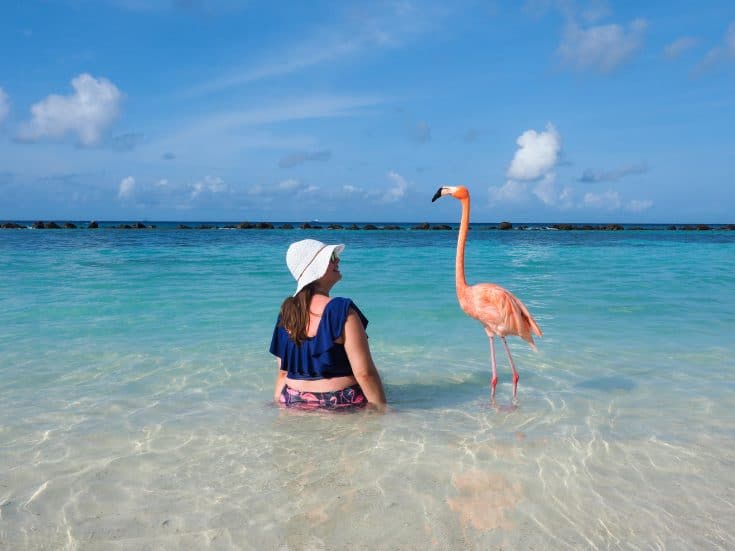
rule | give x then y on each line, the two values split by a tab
449	393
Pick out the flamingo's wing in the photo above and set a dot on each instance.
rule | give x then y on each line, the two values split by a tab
502	312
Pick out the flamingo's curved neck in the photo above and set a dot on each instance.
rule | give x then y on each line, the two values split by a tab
460	280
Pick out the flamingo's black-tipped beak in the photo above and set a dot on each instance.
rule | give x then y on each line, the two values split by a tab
437	194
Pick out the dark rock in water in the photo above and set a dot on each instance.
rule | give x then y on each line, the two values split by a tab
124	227
265	226
139	226
505	226
672	227
305	226
565	227
370	227
93	225
423	226
204	227
11	226
245	226
391	227
354	227
728	227
335	227
286	227
38	225
441	227
70	226
703	227
52	226
183	227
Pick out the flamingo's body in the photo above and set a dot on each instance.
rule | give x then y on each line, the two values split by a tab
500	311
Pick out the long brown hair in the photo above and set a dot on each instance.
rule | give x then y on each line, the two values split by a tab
295	314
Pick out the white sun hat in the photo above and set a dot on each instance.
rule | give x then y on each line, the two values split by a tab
308	260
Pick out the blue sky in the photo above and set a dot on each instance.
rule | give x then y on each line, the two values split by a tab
547	110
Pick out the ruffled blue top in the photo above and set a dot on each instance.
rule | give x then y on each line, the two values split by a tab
318	357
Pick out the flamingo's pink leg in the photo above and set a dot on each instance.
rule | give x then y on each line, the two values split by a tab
512	366
494	380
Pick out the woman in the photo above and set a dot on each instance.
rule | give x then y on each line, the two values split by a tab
323	355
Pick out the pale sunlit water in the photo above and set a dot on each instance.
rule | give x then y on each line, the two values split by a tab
135	389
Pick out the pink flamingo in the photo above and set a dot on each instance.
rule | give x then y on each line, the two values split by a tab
500	312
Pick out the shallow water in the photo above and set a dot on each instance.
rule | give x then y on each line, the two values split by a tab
135	387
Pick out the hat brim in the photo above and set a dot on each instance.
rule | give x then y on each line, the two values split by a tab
318	267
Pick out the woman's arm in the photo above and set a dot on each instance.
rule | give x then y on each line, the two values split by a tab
358	352
280	382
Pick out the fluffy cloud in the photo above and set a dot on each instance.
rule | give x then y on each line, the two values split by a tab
88	112
610	200
126	190
538	153
398	191
535	160
603	47
639	205
511	191
679	46
4	105
171	194
722	53
209	184
550	193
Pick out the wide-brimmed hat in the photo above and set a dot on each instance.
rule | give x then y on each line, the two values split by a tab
308	260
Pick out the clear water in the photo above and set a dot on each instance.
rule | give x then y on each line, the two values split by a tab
135	388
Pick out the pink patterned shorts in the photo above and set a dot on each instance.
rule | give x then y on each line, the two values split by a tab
351	397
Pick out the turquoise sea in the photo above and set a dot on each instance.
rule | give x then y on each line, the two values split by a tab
135	391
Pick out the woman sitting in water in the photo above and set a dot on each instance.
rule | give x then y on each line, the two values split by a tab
323	355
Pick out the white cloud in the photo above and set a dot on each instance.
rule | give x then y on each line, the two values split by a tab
722	53
639	205
398	191
127	188
209	184
361	29
289	184
538	153
4	105
547	190
609	200
88	112
535	160
603	47
511	191
679	46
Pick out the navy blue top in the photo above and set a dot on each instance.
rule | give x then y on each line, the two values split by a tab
318	357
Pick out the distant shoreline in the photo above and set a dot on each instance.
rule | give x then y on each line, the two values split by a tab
424	226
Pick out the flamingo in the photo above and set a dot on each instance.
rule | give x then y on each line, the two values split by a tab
499	311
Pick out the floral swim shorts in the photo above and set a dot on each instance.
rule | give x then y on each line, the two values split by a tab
348	398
